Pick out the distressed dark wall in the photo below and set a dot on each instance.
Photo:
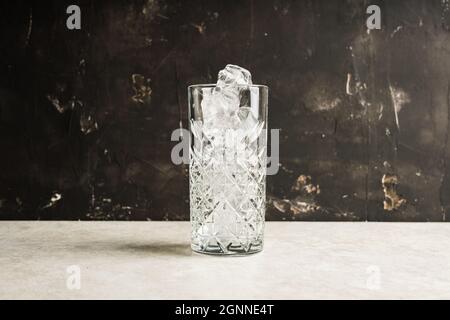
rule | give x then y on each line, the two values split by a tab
86	116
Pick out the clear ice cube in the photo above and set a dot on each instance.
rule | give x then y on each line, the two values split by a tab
233	76
220	105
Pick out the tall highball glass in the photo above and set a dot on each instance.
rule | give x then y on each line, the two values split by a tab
227	172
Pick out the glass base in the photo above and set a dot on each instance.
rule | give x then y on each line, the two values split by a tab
231	250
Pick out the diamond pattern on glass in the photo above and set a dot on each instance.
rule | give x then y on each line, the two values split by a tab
227	188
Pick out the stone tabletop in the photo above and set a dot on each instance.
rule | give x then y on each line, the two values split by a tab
153	260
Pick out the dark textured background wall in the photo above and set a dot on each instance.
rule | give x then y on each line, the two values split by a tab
86	116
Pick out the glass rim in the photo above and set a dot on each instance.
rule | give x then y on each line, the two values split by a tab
212	85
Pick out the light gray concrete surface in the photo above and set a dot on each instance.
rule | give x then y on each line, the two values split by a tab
153	260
